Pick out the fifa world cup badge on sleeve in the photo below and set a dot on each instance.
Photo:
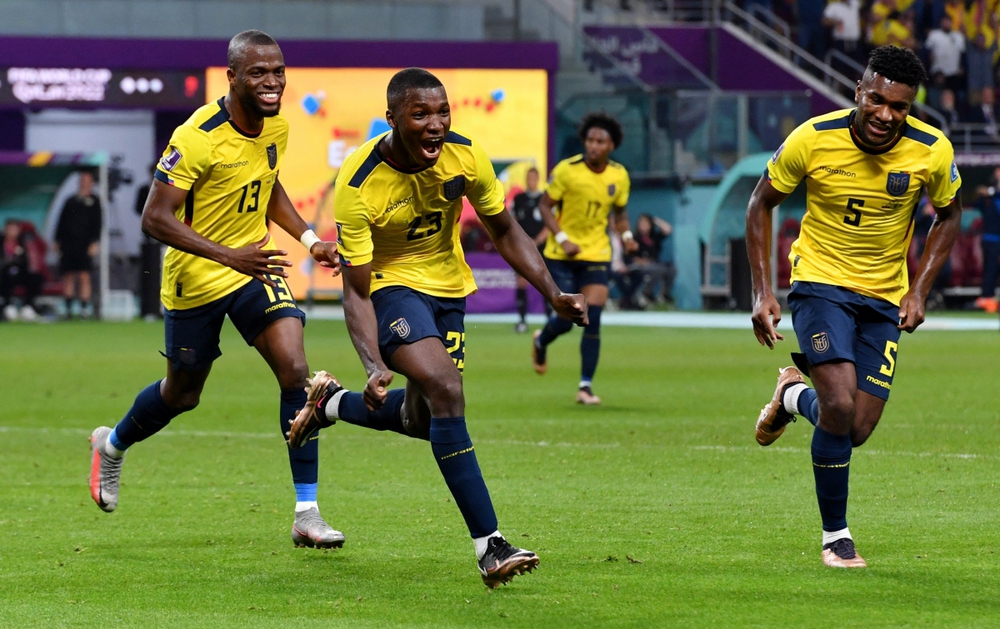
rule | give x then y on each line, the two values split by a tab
169	161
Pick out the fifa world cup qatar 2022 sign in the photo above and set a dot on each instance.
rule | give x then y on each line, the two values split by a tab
88	87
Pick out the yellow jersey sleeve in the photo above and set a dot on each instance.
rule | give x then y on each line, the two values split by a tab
186	158
790	163
557	182
487	194
354	229
944	179
621	199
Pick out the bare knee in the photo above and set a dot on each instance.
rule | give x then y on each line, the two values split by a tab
446	397
294	374
180	399
837	414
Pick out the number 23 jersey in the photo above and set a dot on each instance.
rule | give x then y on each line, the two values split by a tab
860	203
406	224
229	176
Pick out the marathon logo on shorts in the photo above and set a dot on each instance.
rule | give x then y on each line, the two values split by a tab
454	188
272	155
170	160
897	183
400	327
821	342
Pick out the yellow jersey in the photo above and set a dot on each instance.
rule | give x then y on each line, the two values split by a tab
860	204
229	176
406	223
585	200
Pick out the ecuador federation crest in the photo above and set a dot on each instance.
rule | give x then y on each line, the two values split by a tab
611	190
454	188
897	183
272	155
400	327
821	342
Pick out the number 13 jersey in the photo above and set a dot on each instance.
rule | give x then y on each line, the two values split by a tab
860	203
229	176
406	223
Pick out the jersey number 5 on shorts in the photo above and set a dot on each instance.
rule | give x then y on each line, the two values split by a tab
890	354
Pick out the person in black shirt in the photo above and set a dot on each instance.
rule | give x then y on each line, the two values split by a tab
989	206
18	270
77	238
527	215
645	270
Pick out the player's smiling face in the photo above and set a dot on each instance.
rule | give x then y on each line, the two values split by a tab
421	123
259	81
882	108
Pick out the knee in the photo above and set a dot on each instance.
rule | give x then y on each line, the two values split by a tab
860	435
446	397
182	402
294	374
837	412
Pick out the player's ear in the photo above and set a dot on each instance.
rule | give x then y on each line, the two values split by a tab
231	76
390	119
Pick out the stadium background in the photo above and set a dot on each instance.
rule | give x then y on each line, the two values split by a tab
653	511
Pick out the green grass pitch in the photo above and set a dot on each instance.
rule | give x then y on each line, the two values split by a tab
656	509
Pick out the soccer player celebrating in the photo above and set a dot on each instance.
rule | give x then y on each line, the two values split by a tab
587	188
398	199
213	190
865	170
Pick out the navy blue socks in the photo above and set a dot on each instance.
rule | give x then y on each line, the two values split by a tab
305	460
352	410
809	405
590	345
456	458
556	327
149	414
831	455
522	303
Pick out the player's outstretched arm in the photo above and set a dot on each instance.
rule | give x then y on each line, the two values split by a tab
160	222
281	211
545	206
766	311
521	253
940	240
362	327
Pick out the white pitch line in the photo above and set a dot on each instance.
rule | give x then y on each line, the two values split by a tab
222	434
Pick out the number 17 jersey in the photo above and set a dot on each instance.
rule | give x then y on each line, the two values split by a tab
229	176
860	203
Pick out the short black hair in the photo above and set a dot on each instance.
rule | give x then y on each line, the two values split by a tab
408	79
604	121
240	42
533	169
900	65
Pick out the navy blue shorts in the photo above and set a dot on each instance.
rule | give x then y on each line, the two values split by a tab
406	316
572	275
192	335
834	323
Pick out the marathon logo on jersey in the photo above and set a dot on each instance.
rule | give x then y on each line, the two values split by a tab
169	161
272	155
821	342
777	154
897	183
611	190
954	172
454	188
400	327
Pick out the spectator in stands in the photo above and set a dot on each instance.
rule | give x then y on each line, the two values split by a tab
844	17
647	272
946	45
19	270
811	35
981	25
986	113
989	206
948	109
77	239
